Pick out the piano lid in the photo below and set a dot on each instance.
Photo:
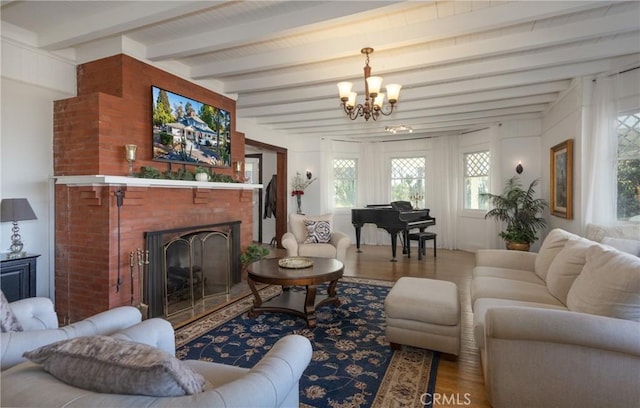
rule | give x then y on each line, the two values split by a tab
401	205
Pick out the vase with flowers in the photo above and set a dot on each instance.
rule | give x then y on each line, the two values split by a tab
298	185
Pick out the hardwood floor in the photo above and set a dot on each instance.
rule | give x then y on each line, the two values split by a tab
460	380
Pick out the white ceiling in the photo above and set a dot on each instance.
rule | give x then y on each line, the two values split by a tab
464	65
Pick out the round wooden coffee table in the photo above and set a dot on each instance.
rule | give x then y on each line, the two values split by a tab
293	302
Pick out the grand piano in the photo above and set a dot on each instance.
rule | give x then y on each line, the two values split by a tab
397	217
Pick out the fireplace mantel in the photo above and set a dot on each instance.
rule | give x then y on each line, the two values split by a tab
96	180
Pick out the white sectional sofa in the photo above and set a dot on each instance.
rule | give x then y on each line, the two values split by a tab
272	382
559	328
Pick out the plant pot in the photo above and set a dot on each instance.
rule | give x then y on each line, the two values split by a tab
202	177
517	246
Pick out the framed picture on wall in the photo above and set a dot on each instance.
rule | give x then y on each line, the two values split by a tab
562	180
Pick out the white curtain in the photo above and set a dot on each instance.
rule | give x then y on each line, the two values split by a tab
600	150
372	174
496	185
446	187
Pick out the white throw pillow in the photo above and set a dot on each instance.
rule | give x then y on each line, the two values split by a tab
630	246
609	285
566	267
551	246
109	365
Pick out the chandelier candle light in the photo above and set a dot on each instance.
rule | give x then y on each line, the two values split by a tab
374	99
298	185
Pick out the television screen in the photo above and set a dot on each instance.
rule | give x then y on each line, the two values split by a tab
188	131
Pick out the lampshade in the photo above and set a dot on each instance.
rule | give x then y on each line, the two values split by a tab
374	83
344	88
352	99
16	209
393	92
379	100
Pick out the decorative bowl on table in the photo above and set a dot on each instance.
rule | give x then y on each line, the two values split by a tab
295	262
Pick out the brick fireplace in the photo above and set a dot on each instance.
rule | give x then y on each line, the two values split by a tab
94	236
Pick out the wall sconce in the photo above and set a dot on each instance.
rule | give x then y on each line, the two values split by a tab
309	175
519	168
14	210
130	155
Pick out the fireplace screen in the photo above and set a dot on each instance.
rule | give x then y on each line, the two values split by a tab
190	268
196	266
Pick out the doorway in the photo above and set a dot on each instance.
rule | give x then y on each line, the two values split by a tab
281	185
253	174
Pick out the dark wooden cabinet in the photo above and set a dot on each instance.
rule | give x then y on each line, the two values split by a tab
18	276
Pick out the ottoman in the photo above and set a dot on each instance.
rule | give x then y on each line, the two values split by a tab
424	313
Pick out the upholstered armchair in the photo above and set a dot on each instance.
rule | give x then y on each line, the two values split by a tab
315	236
39	323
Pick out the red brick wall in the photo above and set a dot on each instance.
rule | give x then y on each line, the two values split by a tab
113	108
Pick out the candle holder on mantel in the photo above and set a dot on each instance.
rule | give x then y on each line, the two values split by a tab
130	155
238	170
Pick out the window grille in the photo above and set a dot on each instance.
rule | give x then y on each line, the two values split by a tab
408	177
476	179
628	167
344	183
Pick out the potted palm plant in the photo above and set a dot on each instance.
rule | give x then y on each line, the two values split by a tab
521	212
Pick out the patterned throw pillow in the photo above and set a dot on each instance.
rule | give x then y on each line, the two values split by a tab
8	321
318	232
109	365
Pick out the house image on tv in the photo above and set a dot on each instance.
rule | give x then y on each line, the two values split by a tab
192	130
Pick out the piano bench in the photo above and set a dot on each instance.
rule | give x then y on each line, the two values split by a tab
424	313
421	237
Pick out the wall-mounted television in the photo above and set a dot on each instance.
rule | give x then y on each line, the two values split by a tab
189	131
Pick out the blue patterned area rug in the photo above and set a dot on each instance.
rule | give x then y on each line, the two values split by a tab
352	364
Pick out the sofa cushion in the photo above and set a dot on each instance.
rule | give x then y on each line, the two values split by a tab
317	250
551	246
481	306
318	232
630	246
609	285
8	320
299	230
507	273
566	267
498	288
109	365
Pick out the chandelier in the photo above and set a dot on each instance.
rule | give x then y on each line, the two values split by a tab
373	98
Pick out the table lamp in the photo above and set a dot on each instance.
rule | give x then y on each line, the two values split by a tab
14	210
